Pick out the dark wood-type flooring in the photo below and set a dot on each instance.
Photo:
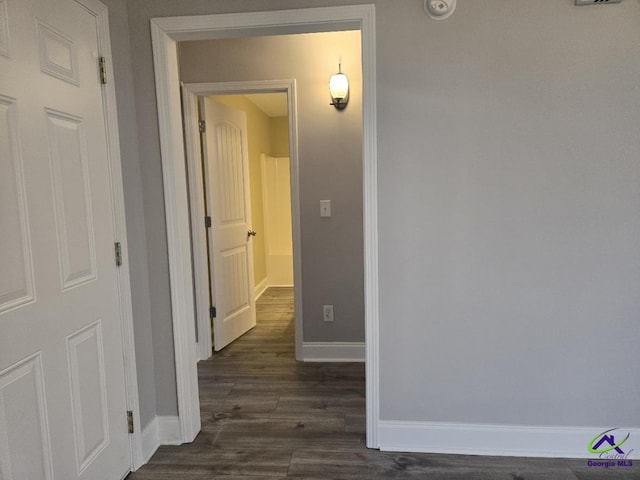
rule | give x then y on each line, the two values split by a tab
267	417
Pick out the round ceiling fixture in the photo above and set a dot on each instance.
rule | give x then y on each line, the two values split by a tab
439	9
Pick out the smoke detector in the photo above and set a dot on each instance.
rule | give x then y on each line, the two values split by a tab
439	9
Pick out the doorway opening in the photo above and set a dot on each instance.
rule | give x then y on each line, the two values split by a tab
238	93
225	294
166	33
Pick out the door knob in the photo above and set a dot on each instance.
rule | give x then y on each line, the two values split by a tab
251	233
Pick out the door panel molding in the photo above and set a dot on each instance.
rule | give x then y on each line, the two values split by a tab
26	379
72	198
17	285
85	356
165	33
64	65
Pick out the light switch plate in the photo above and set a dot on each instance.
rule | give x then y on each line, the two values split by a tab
325	208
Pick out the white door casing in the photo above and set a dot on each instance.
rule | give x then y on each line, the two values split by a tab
226	174
190	94
63	302
165	35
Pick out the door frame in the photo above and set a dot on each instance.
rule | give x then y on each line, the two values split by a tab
165	34
190	94
101	14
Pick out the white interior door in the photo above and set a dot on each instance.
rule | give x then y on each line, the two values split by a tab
226	168
62	390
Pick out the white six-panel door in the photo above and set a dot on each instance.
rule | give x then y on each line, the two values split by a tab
226	172
62	391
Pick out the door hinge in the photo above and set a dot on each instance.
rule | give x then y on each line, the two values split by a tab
102	62
202	125
118	249
212	312
207	221
130	421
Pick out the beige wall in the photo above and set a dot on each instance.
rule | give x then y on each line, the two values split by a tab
259	140
330	160
280	136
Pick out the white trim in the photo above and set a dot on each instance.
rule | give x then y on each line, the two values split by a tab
198	231
264	285
333	352
263	156
190	94
370	211
101	14
274	22
174	177
162	430
165	32
169	431
150	440
261	288
497	440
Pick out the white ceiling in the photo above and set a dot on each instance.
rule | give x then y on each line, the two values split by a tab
272	104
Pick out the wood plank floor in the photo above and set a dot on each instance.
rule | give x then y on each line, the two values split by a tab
267	417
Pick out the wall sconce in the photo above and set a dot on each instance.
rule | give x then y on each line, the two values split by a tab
339	89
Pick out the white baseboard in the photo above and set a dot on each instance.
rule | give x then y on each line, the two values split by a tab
169	430
498	440
261	287
333	352
150	440
264	285
160	431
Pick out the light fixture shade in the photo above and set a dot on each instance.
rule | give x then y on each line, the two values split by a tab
339	89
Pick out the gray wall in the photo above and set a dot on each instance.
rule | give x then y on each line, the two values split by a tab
510	213
122	72
509	208
330	158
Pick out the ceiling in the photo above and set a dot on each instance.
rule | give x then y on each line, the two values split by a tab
272	104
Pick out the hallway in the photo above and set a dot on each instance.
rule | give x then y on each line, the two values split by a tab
265	416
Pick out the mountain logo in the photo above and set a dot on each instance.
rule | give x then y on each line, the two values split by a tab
605	442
